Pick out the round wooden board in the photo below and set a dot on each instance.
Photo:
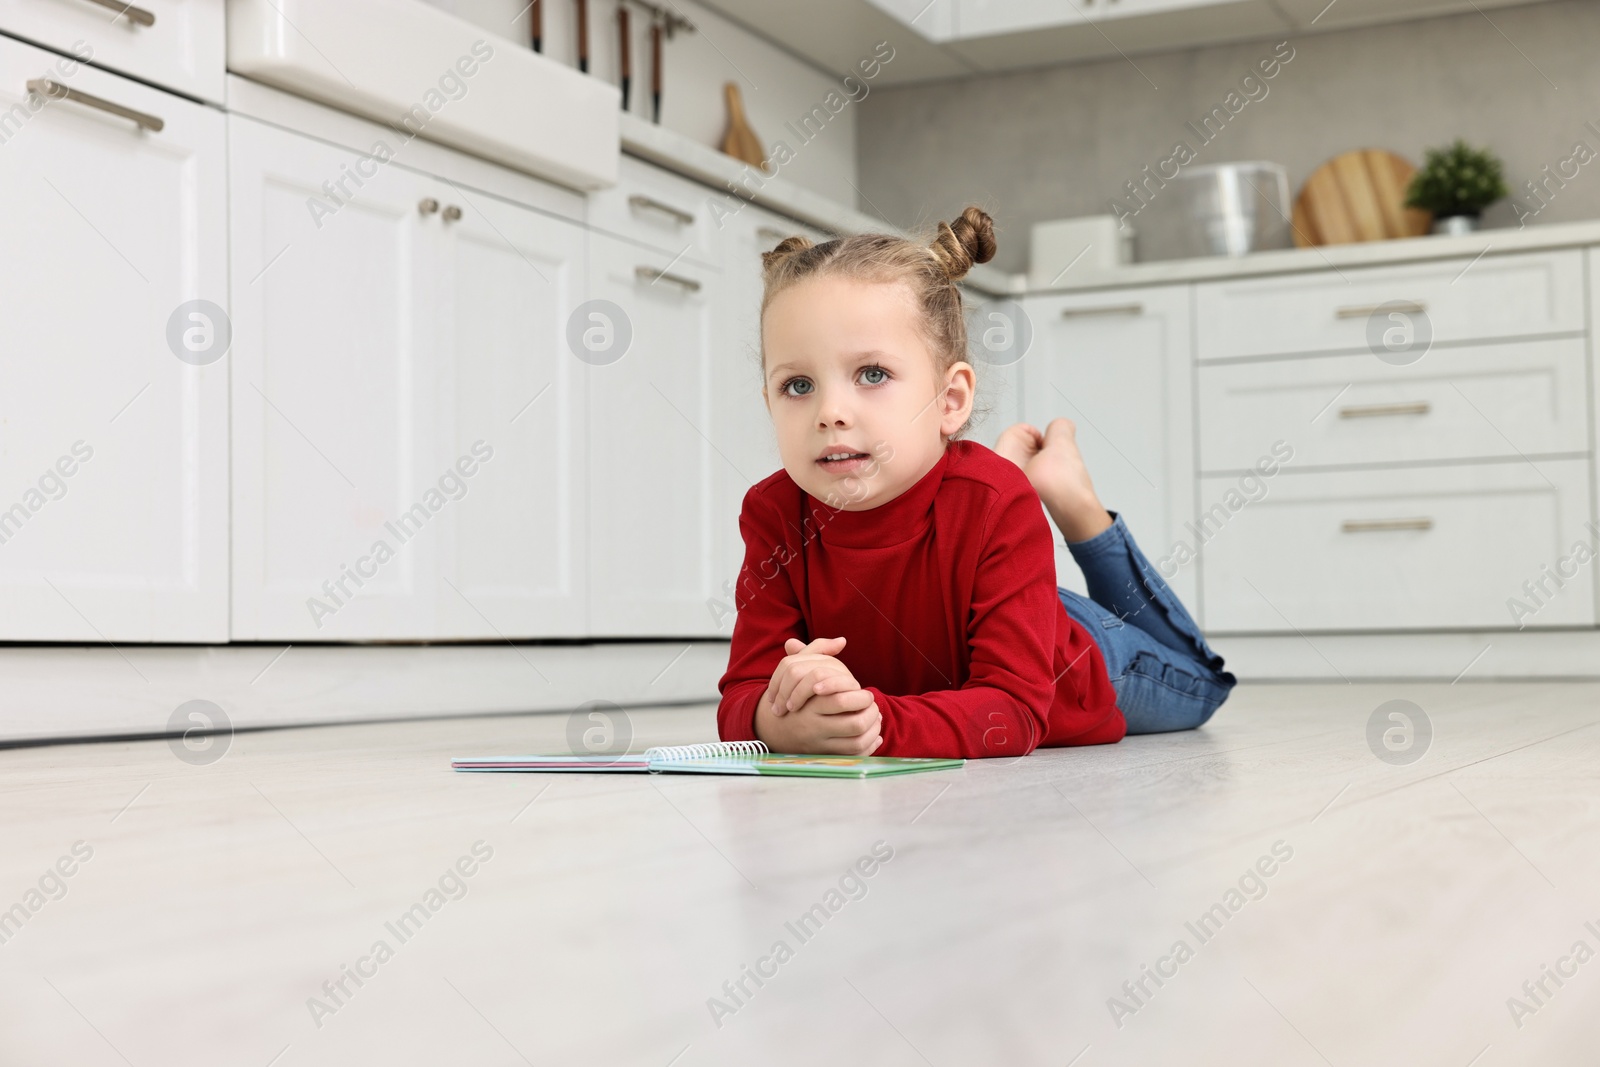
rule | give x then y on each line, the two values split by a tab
1358	196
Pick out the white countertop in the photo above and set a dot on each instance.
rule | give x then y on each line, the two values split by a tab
1333	257
704	163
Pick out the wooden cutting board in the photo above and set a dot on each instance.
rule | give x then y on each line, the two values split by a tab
1358	196
741	141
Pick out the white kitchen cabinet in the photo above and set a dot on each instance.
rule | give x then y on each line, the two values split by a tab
1501	400
113	449
654	523
1399	310
995	338
1119	365
177	44
1481	545
514	556
334	377
375	347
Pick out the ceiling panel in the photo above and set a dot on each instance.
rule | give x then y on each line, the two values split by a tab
836	34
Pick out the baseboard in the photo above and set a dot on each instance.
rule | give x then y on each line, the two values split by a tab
1423	657
79	691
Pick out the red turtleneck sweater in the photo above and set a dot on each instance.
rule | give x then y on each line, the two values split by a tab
946	596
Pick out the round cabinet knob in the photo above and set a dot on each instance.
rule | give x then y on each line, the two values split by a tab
452	213
428	205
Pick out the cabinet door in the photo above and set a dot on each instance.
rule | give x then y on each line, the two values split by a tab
113	448
652	520
334	535
1119	365
514	556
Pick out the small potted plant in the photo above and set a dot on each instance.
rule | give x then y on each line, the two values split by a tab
1456	184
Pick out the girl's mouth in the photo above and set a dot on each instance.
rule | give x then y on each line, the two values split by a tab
844	462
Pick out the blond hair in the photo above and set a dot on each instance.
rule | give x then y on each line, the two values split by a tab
930	268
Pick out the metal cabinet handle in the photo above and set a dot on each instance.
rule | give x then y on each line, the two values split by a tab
427	205
451	213
1362	311
54	90
1106	309
1362	411
135	14
639	201
651	274
1377	525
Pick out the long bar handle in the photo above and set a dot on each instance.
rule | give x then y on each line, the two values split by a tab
1362	311
1378	525
649	203
1105	309
1361	411
55	90
651	274
134	14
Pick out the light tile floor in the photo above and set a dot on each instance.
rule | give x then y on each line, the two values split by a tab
1019	896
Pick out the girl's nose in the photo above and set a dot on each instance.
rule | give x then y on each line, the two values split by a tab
832	411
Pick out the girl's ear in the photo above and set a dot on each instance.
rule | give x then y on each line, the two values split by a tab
960	386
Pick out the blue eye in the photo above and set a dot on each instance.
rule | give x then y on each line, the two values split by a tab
794	381
876	370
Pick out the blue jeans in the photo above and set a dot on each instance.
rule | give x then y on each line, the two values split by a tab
1166	676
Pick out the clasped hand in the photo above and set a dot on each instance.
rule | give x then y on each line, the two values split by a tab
814	704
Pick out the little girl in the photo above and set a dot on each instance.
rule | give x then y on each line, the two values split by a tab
898	591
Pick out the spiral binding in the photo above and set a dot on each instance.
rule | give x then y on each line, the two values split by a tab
711	750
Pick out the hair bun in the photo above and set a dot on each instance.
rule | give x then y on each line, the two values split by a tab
967	240
786	248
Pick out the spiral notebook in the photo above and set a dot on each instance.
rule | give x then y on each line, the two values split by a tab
717	757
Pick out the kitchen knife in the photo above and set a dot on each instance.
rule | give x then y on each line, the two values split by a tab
655	71
627	62
583	35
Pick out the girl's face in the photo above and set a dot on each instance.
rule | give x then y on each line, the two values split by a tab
848	373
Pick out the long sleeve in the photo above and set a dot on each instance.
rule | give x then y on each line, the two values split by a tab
768	614
1003	708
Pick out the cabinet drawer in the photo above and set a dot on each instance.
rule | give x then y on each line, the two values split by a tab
1418	548
659	209
178	44
1448	300
1469	402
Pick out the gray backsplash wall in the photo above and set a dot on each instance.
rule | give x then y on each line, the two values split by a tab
1056	142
